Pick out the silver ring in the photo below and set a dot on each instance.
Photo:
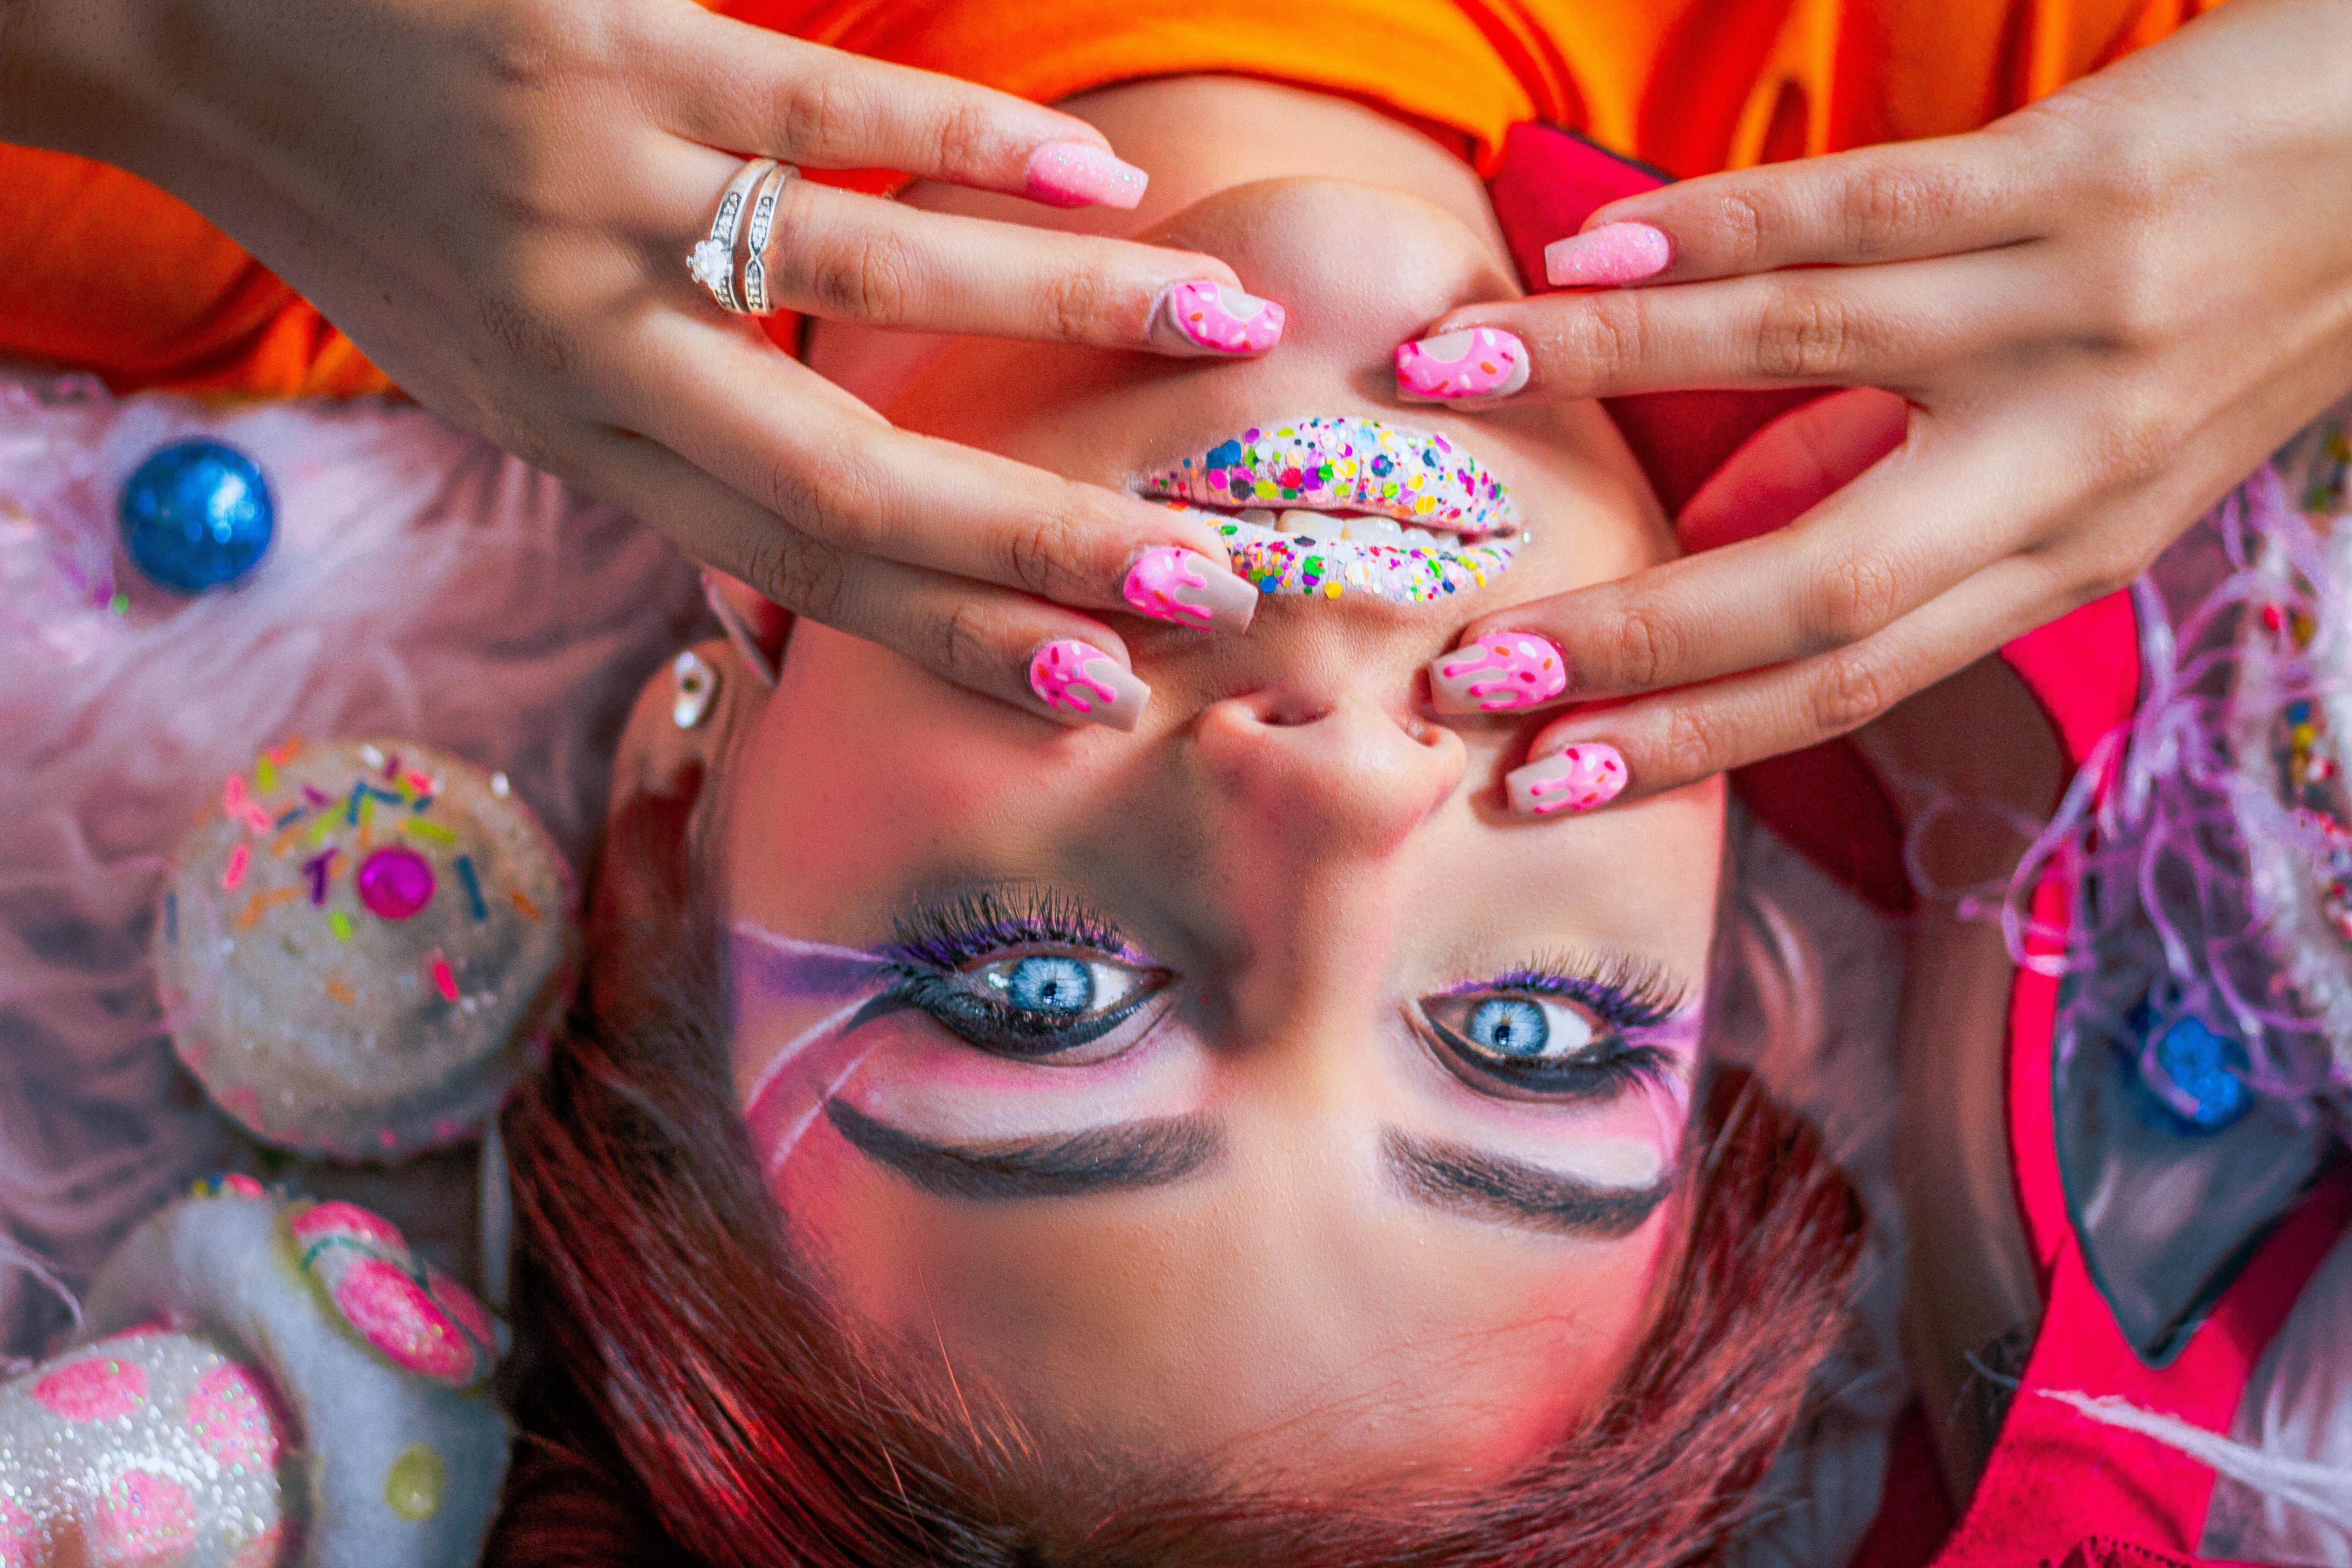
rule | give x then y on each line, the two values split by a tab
754	288
712	261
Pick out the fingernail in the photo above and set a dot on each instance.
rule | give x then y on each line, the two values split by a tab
1074	174
1207	318
1576	779
1497	673
1080	679
1613	253
1173	584
1477	362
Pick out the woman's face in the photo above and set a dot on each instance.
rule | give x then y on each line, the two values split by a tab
1251	1087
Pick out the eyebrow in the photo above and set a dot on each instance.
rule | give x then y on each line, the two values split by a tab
1125	1158
1462	1180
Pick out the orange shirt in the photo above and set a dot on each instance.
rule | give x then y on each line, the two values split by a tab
101	271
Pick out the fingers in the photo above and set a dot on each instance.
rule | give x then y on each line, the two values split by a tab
845	256
1884	326
1896	203
1038	657
802	451
756	91
1585	761
1837	578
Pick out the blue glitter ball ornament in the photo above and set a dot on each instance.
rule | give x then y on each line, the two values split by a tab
2193	1080
197	515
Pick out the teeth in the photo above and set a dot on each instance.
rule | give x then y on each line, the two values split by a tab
1318	526
1420	538
1258	515
1376	529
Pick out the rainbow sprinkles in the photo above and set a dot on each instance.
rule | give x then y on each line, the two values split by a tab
1324	507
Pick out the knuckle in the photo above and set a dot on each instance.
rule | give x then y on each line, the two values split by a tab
1862	591
1851	688
1885	206
1035	554
803	576
1742	228
1074	303
2139	432
962	140
819	113
1635	648
1804	333
1689	746
964	644
837	493
869	277
1604	336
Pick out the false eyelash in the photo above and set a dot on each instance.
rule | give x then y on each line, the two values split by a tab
949	930
1631	993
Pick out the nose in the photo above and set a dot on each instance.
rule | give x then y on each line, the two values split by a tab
1324	774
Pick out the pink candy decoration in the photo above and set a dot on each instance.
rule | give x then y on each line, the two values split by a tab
231	1416
415	1316
347	1222
1224	319
1481	362
1061	675
394	883
233	872
395	1315
1580	778
1152	587
1503	670
95	1388
144	1521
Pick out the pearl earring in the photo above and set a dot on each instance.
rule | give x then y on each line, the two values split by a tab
697	687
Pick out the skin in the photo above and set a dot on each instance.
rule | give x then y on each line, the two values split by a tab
1309	1304
1322	852
2088	321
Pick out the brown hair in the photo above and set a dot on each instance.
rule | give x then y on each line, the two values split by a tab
695	1400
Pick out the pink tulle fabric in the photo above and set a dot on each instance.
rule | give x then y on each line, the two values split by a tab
420	583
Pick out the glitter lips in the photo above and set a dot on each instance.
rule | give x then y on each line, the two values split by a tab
1406	488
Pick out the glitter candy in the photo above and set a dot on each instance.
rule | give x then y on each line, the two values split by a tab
340	992
431	830
1276	562
481	912
414	1485
234	873
443	979
340	925
1357	465
394	883
521	901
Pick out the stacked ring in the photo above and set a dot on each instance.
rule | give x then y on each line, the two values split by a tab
730	261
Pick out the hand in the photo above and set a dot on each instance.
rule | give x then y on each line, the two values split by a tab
2103	311
495	200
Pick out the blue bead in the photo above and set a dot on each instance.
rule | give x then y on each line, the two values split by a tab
2209	1091
197	515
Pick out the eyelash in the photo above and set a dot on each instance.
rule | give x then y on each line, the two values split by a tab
933	942
1623	993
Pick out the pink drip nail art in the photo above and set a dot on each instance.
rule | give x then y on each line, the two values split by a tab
1613	253
1477	362
1081	680
1205	317
1497	673
1074	174
1173	584
1585	775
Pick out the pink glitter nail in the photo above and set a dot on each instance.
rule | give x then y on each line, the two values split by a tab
1080	679
1074	174
1497	673
1173	584
1613	253
1205	316
1584	775
1477	362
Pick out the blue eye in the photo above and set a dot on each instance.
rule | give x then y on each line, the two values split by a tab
1508	1026
1047	983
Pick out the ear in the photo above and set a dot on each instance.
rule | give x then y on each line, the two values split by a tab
664	779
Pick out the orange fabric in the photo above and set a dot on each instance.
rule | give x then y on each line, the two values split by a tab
101	271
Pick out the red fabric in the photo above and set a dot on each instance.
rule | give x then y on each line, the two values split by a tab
1913	1516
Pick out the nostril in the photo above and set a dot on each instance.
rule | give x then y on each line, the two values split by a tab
1282	709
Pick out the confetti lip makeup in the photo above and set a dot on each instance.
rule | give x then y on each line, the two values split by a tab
1320	508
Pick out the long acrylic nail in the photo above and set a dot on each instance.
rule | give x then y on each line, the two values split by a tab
1476	362
1074	174
1578	779
1613	253
1497	673
1205	317
1079	680
1173	584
